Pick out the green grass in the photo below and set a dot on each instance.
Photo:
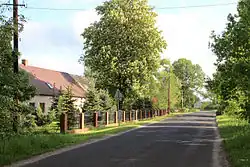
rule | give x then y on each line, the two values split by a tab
25	146
236	134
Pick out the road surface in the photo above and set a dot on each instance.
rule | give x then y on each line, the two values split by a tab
188	140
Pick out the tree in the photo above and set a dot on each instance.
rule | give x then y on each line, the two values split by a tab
156	88
57	105
191	77
106	101
12	86
231	82
68	106
43	118
123	48
92	103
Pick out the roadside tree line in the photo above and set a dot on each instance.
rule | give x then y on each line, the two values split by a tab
121	51
230	85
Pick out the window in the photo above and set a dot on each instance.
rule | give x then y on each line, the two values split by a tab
49	85
32	105
42	106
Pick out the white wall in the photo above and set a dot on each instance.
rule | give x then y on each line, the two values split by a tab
48	101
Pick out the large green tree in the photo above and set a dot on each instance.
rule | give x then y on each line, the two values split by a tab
231	82
123	48
192	79
12	86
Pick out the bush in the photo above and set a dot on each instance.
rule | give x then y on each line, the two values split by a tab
194	110
233	107
184	110
44	118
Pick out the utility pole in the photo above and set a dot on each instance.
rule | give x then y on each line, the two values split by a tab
15	53
169	93
15	37
15	34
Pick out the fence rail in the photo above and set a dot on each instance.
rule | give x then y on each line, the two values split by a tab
101	119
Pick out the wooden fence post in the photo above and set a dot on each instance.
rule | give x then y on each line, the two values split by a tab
63	123
149	114
81	120
107	118
124	116
95	119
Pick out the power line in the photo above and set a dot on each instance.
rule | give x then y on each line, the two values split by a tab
199	6
159	8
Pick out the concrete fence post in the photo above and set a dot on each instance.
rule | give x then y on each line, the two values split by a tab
136	115
63	123
107	118
81	120
130	116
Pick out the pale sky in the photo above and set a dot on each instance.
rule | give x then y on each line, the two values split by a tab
51	39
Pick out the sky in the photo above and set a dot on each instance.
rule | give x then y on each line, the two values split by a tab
51	39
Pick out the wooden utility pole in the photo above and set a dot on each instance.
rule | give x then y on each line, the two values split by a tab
15	37
169	93
15	34
15	53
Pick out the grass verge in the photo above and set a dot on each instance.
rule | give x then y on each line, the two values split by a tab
236	134
25	146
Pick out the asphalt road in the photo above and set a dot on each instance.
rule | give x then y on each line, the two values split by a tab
183	141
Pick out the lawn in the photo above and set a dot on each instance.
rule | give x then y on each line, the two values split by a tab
25	146
236	134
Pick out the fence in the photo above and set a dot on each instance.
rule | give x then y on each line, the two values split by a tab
84	121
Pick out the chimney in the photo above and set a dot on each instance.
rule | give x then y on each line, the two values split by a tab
24	62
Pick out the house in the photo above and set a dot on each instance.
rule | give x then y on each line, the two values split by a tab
48	83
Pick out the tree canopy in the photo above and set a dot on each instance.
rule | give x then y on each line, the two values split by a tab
231	82
123	48
192	79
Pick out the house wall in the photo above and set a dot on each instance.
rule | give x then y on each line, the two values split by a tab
48	102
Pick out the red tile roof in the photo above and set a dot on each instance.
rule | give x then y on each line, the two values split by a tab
62	80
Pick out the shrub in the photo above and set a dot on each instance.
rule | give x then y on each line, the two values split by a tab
194	110
233	107
184	110
44	118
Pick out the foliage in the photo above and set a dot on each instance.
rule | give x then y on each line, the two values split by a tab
184	110
56	105
208	106
5	117
106	101
12	86
98	100
44	118
69	107
192	79
231	82
235	133
92	103
123	48
155	90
